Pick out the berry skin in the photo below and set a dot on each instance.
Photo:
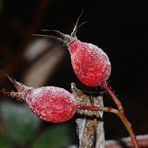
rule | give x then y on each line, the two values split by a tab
52	104
91	65
49	103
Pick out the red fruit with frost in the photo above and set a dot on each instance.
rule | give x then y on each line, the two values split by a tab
52	104
49	103
91	65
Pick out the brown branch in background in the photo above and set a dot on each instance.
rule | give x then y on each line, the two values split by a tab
89	123
127	143
124	142
36	74
17	59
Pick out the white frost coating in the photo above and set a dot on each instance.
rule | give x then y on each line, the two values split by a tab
81	127
48	94
92	47
36	93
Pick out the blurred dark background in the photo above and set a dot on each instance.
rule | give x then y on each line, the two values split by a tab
120	28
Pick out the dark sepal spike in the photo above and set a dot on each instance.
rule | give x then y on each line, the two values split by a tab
62	35
19	86
76	27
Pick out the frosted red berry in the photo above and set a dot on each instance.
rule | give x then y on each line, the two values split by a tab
52	104
91	65
49	103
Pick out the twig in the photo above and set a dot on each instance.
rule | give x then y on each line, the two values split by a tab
121	115
124	142
127	143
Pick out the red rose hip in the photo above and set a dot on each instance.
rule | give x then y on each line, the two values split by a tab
91	65
49	103
52	104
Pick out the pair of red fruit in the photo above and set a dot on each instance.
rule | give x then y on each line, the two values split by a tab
92	67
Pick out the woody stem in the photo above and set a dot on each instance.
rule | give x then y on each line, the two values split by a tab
120	114
114	97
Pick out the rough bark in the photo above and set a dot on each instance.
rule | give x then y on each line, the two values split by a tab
89	123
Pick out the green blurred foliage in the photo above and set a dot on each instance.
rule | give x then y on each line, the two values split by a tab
56	137
23	129
21	123
5	141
